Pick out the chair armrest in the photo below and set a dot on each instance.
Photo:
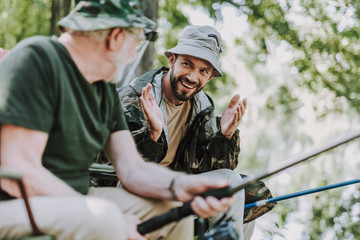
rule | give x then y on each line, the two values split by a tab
9	174
98	167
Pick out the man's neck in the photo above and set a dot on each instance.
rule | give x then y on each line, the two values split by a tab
168	91
89	56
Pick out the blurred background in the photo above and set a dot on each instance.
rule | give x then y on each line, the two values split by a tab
298	64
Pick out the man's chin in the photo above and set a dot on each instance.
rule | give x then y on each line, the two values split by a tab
184	97
117	76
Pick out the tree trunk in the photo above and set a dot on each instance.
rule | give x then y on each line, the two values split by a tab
150	9
59	9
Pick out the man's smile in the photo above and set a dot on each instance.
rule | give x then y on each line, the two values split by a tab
187	84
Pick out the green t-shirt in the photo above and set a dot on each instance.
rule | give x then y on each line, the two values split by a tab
41	88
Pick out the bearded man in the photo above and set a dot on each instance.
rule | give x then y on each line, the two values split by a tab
172	119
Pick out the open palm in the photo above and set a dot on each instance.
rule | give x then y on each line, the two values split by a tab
232	116
153	115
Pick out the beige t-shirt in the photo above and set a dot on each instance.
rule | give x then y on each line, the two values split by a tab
175	118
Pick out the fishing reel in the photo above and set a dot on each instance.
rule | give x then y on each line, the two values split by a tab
222	231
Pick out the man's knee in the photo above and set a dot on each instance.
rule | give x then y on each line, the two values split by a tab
64	218
79	218
102	220
229	174
233	177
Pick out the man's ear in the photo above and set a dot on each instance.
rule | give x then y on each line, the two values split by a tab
172	59
115	38
212	75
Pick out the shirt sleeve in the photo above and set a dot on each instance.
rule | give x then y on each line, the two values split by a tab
26	89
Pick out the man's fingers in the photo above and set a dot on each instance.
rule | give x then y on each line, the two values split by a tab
234	101
151	98
245	103
210	206
145	106
146	90
202	208
241	108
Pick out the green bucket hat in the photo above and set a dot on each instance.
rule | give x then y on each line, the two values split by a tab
93	15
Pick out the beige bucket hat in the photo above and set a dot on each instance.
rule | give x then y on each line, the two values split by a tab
200	41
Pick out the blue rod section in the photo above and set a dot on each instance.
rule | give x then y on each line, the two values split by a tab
301	193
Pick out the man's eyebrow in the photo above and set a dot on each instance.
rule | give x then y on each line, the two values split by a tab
188	60
191	63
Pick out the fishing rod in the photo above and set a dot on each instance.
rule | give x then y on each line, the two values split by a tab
300	193
178	213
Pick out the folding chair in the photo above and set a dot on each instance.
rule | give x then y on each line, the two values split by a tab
37	234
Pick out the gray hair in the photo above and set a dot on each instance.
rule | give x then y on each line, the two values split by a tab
97	36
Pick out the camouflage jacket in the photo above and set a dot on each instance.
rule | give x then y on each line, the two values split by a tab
203	148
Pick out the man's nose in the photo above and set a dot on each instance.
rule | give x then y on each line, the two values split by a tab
192	76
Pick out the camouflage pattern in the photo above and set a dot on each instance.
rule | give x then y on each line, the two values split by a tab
203	147
253	193
105	14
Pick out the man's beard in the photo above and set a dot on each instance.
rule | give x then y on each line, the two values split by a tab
117	76
120	63
181	96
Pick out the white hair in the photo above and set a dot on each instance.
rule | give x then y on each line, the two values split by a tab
99	35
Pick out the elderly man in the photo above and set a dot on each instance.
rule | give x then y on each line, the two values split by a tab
172	120
58	108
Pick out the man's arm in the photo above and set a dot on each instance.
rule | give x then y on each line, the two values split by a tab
21	150
151	180
222	149
150	150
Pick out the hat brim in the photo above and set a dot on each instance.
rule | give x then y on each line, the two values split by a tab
78	22
196	52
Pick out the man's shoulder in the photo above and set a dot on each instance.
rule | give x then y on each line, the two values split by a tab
136	86
203	101
35	41
38	47
146	78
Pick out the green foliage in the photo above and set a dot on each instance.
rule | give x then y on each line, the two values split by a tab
341	217
323	39
176	20
20	19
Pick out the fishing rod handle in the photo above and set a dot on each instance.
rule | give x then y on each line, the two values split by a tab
175	214
219	193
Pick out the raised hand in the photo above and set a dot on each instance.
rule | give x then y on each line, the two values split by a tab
232	116
154	117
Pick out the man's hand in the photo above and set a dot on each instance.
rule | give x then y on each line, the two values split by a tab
188	187
232	116
152	113
131	222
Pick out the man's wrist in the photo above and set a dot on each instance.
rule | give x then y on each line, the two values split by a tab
228	136
172	187
155	135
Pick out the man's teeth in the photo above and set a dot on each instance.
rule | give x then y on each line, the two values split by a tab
186	85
